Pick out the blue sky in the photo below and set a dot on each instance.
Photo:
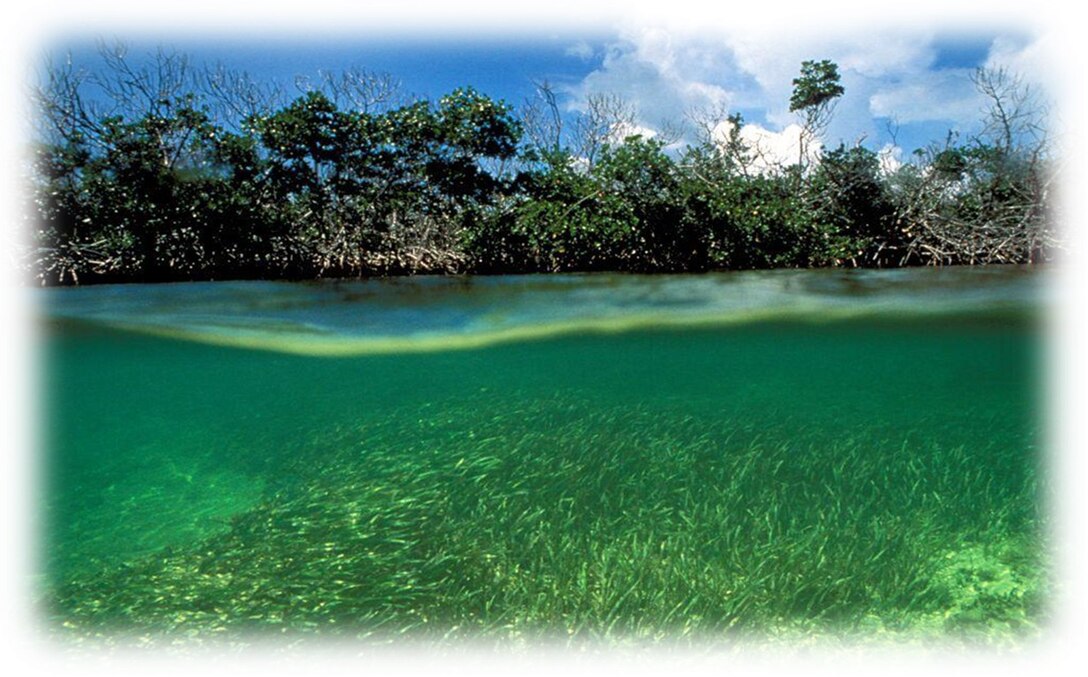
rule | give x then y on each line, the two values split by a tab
904	88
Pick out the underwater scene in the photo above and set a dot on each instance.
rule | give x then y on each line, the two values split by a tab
576	458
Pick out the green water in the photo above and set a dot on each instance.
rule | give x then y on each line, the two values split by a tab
593	457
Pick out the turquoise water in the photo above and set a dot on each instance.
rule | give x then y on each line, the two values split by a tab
597	456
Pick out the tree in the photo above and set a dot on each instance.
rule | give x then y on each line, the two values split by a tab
853	213
814	97
643	182
146	169
386	191
1014	115
543	122
133	172
554	139
606	120
722	153
985	199
355	89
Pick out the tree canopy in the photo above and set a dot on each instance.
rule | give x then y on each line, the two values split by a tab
172	173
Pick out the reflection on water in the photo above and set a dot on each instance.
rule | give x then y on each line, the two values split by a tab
438	313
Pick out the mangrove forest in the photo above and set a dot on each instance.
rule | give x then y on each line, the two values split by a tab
160	170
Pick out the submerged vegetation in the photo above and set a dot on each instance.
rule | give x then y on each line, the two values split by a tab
158	170
653	486
558	520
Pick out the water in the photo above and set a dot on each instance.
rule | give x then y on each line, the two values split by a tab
597	457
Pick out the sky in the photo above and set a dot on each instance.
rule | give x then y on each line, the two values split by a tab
904	87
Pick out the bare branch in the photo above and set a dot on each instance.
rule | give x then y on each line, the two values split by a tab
236	96
355	88
606	119
1015	114
157	89
542	119
64	114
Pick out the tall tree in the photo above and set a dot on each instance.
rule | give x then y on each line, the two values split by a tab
815	93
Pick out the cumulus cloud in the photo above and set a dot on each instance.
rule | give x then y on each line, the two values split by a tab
864	59
770	150
887	74
662	76
1028	59
625	129
890	157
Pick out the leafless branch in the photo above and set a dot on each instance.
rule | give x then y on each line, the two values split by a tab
236	96
355	88
542	119
605	121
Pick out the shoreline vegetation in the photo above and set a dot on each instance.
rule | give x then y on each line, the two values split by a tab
157	169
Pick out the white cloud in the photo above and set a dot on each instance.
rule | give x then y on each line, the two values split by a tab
580	50
770	150
1030	60
886	73
890	157
624	129
934	95
863	58
662	76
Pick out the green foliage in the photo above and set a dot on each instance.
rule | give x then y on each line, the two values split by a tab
307	189
852	206
814	95
625	213
304	190
750	219
643	184
817	85
562	220
159	202
751	223
475	126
